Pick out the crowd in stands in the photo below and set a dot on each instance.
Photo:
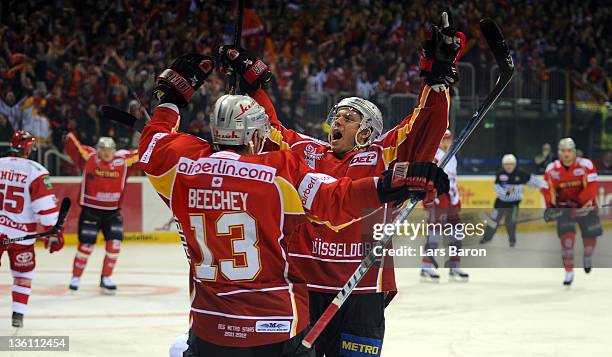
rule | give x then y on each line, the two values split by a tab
61	60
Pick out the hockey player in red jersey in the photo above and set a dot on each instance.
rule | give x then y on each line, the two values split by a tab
105	171
569	191
357	147
445	209
237	208
26	199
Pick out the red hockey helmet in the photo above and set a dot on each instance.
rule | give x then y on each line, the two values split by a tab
23	143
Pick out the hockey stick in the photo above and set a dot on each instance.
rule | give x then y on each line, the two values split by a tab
123	117
237	38
123	78
63	212
531	219
496	43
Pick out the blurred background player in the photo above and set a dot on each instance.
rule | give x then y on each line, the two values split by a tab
248	299
445	209
105	171
569	191
358	147
508	188
26	199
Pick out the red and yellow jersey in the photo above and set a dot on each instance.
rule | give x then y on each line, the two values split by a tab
329	258
26	198
103	182
236	212
573	186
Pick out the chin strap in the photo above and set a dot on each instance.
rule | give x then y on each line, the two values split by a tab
364	145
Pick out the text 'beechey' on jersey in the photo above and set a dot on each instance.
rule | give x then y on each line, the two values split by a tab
217	200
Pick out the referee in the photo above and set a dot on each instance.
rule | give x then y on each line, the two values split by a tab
508	187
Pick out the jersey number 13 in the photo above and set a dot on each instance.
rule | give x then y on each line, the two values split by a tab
241	229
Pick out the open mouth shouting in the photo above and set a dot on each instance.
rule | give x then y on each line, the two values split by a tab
336	135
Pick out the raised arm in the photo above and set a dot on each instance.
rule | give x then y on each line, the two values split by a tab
160	148
77	152
132	161
255	74
418	135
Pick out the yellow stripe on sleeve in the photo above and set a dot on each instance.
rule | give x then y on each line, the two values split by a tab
163	183
132	160
84	153
390	153
291	199
276	136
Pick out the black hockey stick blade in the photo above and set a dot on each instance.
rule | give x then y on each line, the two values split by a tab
63	213
123	117
61	218
497	44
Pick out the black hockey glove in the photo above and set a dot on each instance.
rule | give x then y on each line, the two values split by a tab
412	180
254	73
392	189
440	53
422	176
186	74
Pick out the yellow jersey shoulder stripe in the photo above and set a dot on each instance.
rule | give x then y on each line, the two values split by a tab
276	136
291	199
164	182
390	153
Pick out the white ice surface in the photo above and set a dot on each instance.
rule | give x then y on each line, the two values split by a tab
500	312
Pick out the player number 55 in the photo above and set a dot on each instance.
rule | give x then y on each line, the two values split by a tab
11	198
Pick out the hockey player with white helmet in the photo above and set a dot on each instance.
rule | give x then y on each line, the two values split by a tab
357	147
570	192
238	207
105	172
353	110
508	187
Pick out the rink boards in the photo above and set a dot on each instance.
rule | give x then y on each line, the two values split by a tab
148	219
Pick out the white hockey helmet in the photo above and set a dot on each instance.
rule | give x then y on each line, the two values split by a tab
371	117
509	159
106	142
234	120
567	143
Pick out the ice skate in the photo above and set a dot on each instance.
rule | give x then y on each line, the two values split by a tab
429	275
457	274
486	239
588	264
106	286
75	282
569	277
17	320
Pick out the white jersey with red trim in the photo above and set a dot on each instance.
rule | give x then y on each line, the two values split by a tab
451	171
26	198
